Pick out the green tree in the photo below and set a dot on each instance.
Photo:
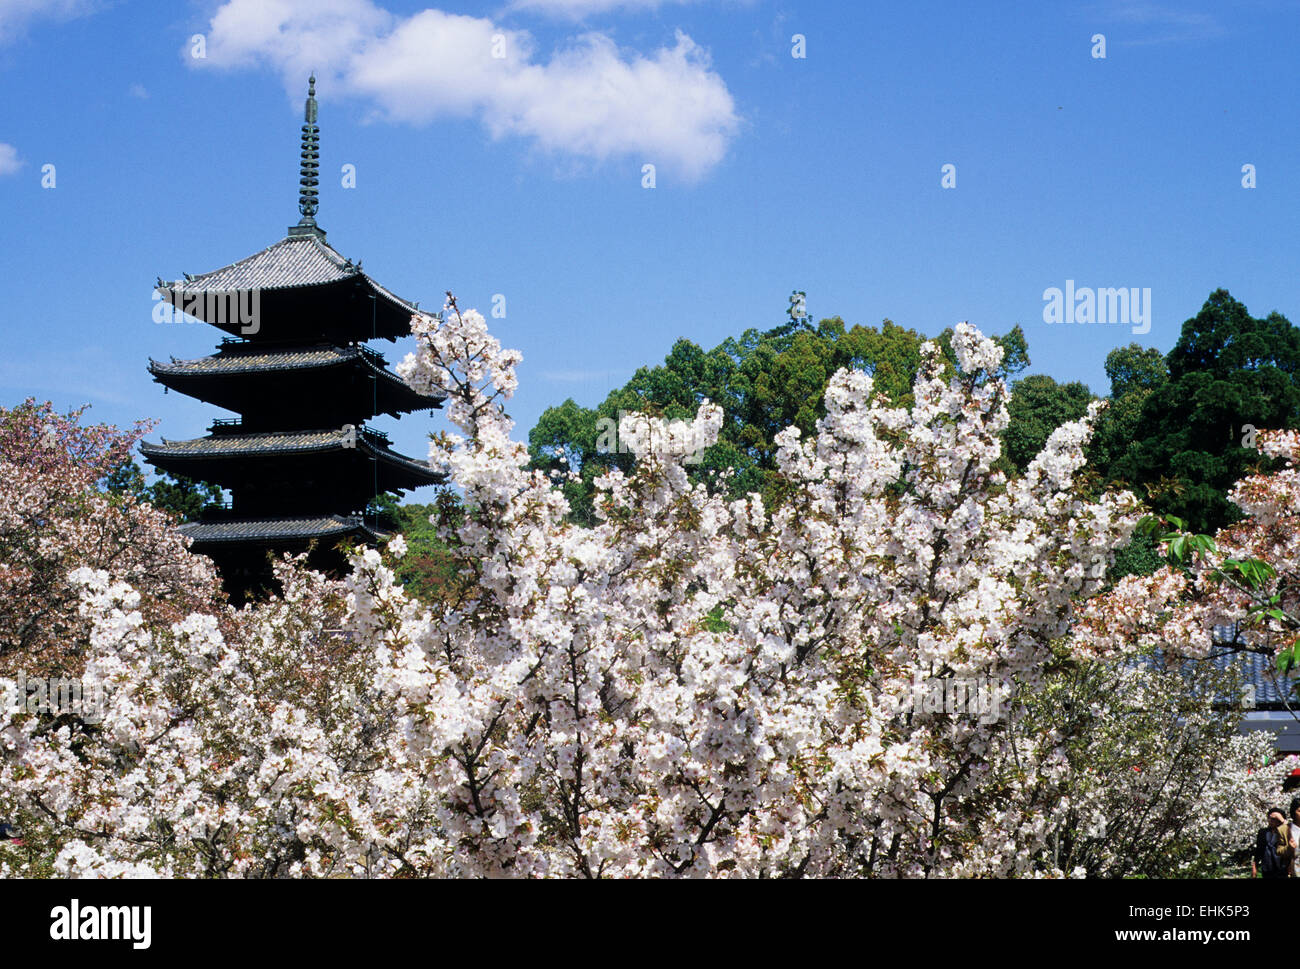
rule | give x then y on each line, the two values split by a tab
1135	369
427	570
1135	373
764	381
182	497
1227	373
1038	406
384	512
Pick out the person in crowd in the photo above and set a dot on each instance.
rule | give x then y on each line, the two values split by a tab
1293	819
1273	857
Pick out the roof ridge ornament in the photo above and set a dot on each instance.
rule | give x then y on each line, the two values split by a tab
309	169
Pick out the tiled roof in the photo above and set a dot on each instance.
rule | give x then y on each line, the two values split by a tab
1260	671
229	363
274	361
277	529
280	442
294	261
264	443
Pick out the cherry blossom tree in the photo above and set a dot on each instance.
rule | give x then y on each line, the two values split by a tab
702	687
864	678
1161	782
54	518
203	741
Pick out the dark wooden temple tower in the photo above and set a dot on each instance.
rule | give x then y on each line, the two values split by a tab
300	463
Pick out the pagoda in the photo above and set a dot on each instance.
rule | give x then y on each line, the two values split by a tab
301	466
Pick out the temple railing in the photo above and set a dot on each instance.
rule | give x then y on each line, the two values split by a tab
377	435
374	356
233	426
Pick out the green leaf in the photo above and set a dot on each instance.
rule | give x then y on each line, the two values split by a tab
1177	548
1147	525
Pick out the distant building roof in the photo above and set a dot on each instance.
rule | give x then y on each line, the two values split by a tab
1271	688
1268	704
1273	695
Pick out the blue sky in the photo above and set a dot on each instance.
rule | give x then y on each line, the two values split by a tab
522	175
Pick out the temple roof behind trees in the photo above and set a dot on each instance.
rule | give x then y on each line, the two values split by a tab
279	529
1270	704
1272	689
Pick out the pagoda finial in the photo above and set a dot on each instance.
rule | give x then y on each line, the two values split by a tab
310	170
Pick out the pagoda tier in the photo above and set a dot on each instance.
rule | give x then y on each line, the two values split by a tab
311	472
218	534
240	546
313	386
298	289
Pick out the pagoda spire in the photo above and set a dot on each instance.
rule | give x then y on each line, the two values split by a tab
309	171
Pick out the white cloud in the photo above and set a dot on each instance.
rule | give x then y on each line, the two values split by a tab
15	15
577	9
138	90
588	100
1162	24
9	160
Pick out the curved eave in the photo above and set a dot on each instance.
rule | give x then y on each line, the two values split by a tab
260	531
299	260
278	307
222	451
387	295
196	287
190	378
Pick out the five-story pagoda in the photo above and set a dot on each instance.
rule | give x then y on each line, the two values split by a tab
301	466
